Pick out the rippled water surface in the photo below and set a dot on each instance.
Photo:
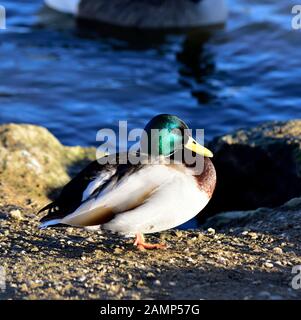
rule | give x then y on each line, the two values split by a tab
74	79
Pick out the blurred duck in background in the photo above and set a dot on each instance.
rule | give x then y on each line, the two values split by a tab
152	14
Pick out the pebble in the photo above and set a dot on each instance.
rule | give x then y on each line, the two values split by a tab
222	260
268	265
16	214
179	233
211	231
278	250
253	235
69	230
117	251
140	283
201	236
24	287
150	275
191	241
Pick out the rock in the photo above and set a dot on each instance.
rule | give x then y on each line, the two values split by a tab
16	214
157	282
179	233
34	164
140	283
117	250
258	167
253	235
150	275
211	231
278	250
233	218
294	203
280	220
268	265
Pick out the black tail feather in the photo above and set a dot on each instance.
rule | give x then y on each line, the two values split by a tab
48	207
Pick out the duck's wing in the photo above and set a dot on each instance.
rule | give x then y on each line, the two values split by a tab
126	187
82	187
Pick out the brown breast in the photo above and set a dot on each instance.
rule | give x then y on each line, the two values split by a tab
206	180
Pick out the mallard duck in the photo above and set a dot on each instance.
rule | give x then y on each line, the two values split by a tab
159	193
146	13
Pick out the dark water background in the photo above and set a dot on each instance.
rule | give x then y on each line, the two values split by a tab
75	80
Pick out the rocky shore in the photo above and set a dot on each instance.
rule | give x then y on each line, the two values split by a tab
241	254
258	167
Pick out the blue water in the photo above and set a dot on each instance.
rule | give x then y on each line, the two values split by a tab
75	80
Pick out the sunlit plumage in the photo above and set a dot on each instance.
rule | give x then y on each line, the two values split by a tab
148	197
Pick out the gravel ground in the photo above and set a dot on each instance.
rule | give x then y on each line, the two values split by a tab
244	262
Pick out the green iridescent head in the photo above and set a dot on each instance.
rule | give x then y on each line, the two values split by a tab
167	134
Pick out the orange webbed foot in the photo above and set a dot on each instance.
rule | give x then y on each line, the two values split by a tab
142	245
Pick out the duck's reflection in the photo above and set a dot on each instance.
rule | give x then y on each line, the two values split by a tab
197	65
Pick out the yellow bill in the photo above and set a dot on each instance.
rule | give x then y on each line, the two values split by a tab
197	148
